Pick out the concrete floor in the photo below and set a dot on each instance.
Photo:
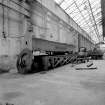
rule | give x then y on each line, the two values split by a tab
61	86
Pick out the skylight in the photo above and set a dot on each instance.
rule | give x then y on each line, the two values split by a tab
87	14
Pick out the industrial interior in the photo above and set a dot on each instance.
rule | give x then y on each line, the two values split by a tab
52	52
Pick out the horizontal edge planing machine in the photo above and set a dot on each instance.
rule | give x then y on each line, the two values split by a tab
30	61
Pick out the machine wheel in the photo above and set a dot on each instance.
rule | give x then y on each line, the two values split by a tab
24	61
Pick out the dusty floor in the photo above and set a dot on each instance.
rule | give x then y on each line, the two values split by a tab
61	86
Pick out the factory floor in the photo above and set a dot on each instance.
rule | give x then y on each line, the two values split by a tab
61	86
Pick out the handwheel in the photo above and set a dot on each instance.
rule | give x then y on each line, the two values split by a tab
24	61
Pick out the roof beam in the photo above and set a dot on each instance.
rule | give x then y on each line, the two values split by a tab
81	13
68	6
103	16
94	20
61	2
